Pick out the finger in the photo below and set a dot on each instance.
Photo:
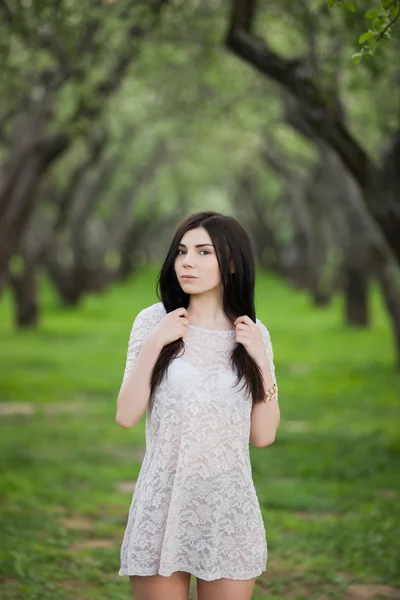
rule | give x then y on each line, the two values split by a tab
244	319
248	320
244	322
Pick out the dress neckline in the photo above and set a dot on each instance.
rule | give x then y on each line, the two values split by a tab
212	330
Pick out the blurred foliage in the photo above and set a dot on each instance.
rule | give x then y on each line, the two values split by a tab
180	84
380	18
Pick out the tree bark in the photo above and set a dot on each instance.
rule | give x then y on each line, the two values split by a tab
390	292
19	190
24	287
356	295
73	280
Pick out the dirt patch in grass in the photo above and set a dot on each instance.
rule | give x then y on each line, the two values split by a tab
286	580
9	587
8	580
113	509
74	583
371	592
126	453
17	408
76	523
87	560
285	481
94	543
299	369
126	487
296	426
389	494
54	408
313	516
67	407
290	581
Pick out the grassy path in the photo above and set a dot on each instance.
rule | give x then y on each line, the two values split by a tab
329	486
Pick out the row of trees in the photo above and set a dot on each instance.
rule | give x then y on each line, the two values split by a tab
118	117
316	110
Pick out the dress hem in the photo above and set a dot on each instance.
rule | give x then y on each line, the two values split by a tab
196	573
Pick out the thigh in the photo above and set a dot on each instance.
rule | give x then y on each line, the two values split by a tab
225	589
157	587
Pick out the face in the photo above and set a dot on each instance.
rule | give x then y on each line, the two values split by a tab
196	256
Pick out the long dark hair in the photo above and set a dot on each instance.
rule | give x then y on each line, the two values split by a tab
232	247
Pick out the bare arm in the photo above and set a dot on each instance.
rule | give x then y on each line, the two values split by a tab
135	391
151	331
265	416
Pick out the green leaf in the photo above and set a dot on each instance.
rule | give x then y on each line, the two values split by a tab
371	13
367	52
378	23
357	58
365	37
350	6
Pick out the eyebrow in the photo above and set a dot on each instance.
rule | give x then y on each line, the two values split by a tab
197	245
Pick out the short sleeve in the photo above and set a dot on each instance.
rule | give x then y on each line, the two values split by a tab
268	345
144	322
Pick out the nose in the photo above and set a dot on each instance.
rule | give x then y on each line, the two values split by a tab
188	260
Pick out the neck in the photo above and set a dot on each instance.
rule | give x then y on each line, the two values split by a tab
206	310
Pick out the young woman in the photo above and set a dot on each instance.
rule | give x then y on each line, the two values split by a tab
201	366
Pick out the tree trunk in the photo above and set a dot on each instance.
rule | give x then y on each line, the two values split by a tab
356	281
299	252
253	211
25	290
17	198
72	284
390	291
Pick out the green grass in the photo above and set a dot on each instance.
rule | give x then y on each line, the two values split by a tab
329	486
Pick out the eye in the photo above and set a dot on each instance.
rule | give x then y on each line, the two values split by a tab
180	250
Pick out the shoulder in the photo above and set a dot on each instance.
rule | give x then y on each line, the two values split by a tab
150	315
261	326
266	338
264	331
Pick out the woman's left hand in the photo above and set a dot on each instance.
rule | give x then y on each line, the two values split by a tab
249	335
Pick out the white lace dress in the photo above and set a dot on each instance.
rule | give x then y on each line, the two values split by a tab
194	507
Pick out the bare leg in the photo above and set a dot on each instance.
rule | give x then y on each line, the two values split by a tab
157	587
225	589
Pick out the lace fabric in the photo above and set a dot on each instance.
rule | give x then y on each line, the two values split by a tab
195	507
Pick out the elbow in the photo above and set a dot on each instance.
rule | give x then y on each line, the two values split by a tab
124	422
264	443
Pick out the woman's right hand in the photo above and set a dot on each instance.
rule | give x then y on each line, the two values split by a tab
171	327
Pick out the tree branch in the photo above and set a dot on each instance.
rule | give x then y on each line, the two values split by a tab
319	111
388	26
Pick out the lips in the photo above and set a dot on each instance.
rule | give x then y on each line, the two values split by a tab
188	277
